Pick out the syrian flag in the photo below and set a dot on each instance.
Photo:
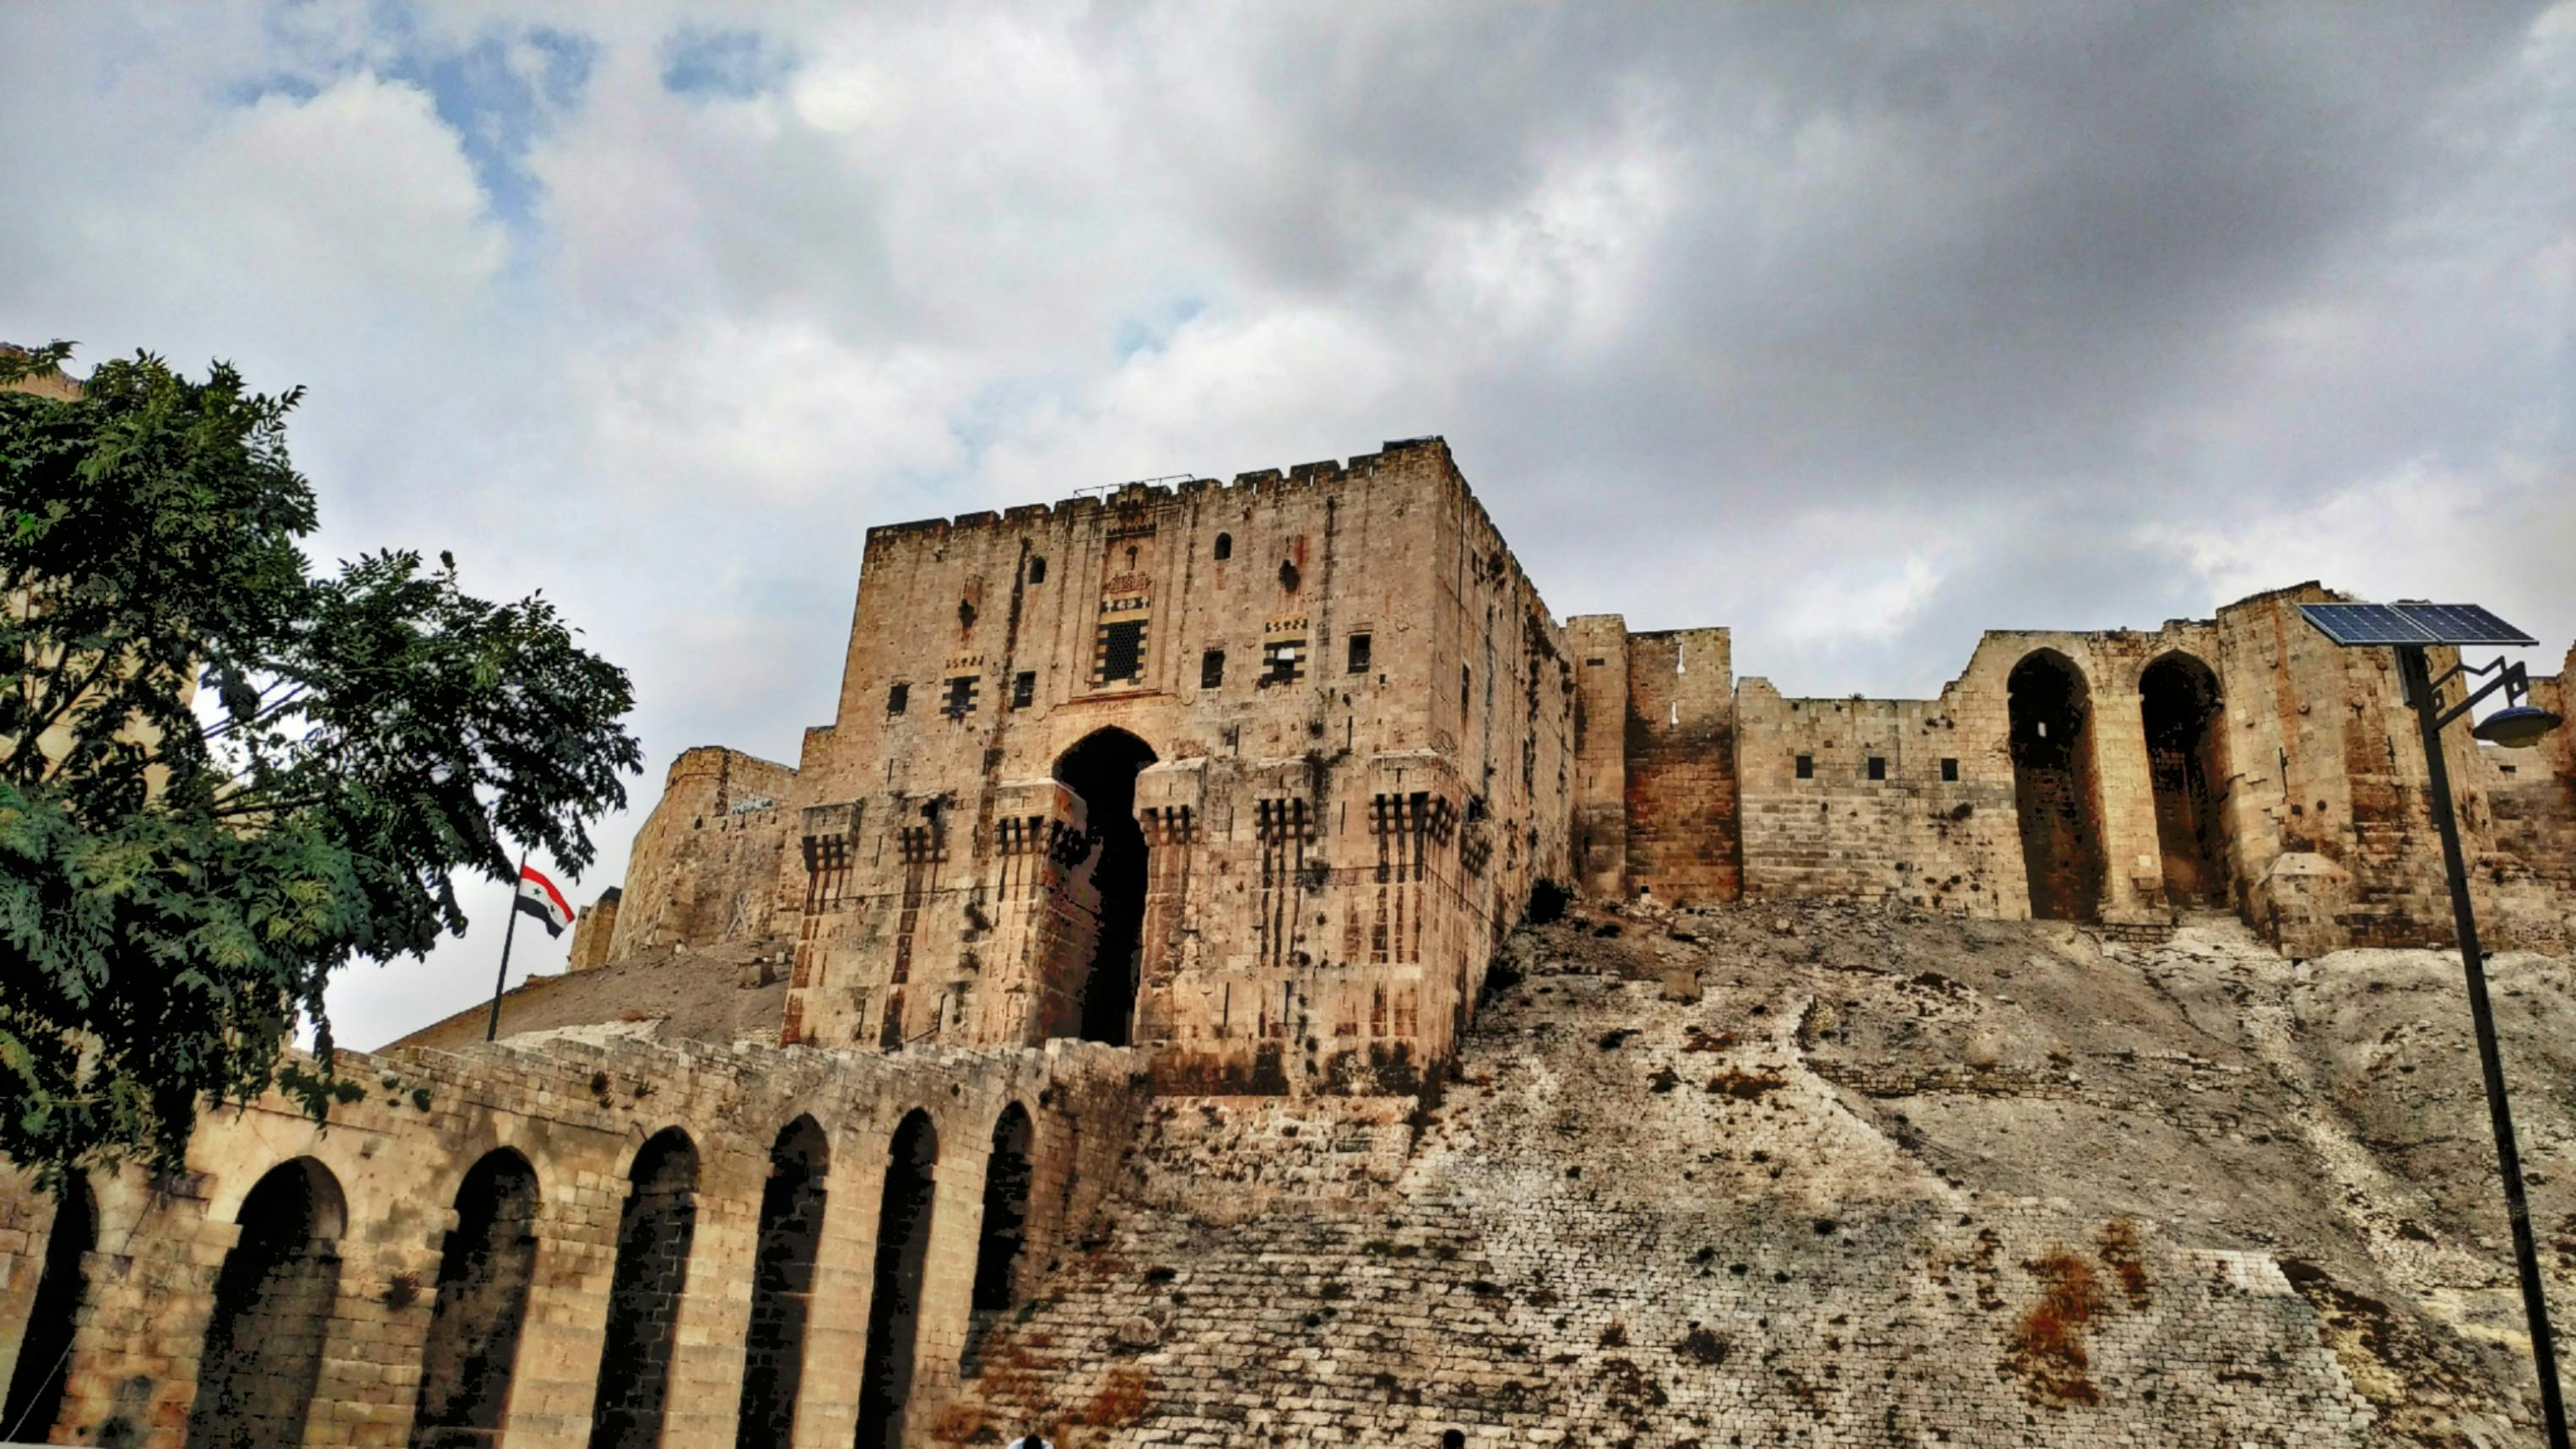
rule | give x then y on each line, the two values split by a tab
539	898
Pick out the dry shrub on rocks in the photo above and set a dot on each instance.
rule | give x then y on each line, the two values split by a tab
2119	1249
2048	1346
1125	1392
1745	1086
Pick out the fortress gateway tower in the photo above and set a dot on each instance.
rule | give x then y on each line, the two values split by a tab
1255	772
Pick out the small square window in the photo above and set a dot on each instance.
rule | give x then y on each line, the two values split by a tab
961	696
1024	689
1212	669
1037	570
1359	654
1949	769
1806	767
1878	767
897	698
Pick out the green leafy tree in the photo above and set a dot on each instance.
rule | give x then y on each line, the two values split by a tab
223	777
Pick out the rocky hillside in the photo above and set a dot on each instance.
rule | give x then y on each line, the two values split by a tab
719	994
1832	1174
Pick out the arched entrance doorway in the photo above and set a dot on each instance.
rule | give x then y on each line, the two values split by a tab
484	1271
273	1305
2054	788
44	1355
894	1307
2187	765
1102	769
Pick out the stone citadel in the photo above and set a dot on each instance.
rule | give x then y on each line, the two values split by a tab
1140	915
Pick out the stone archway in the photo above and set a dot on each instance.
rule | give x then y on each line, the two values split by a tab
894	1306
2055	788
1102	769
274	1301
44	1355
1006	1211
782	1284
484	1270
654	1231
2178	702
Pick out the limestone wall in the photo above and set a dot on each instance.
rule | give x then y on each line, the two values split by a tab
1681	749
579	1118
2532	793
1354	716
593	932
705	867
1933	824
1599	824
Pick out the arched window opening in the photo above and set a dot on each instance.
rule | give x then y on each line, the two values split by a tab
654	1231
483	1275
2058	798
1102	769
894	1307
273	1303
782	1285
44	1355
1224	547
2187	768
1006	1216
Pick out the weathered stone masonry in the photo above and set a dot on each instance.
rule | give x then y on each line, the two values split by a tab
557	1247
1252	774
1243	785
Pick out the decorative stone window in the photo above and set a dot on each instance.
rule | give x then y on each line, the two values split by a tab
961	696
1283	661
897	698
1359	655
1212	669
1120	656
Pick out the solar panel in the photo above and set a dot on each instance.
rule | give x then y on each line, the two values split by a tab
2355	625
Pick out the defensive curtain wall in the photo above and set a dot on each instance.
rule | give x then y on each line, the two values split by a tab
618	1246
1251	774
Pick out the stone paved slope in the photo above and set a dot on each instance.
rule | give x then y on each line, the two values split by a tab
690	995
1889	1180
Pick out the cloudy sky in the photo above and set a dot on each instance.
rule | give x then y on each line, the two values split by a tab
1859	330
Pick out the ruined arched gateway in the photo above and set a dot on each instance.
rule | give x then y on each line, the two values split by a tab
1193	810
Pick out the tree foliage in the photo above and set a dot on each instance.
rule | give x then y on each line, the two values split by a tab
222	776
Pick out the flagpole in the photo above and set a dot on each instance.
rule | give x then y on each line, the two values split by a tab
492	1027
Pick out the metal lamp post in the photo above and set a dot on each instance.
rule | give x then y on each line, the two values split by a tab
2410	629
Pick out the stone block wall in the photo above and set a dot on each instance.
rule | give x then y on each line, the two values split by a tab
1931	822
1599	643
705	866
593	933
577	1118
1681	790
1353	717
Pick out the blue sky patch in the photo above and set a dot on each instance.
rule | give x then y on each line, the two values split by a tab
732	65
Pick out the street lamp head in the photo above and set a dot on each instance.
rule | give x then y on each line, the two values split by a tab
2518	728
